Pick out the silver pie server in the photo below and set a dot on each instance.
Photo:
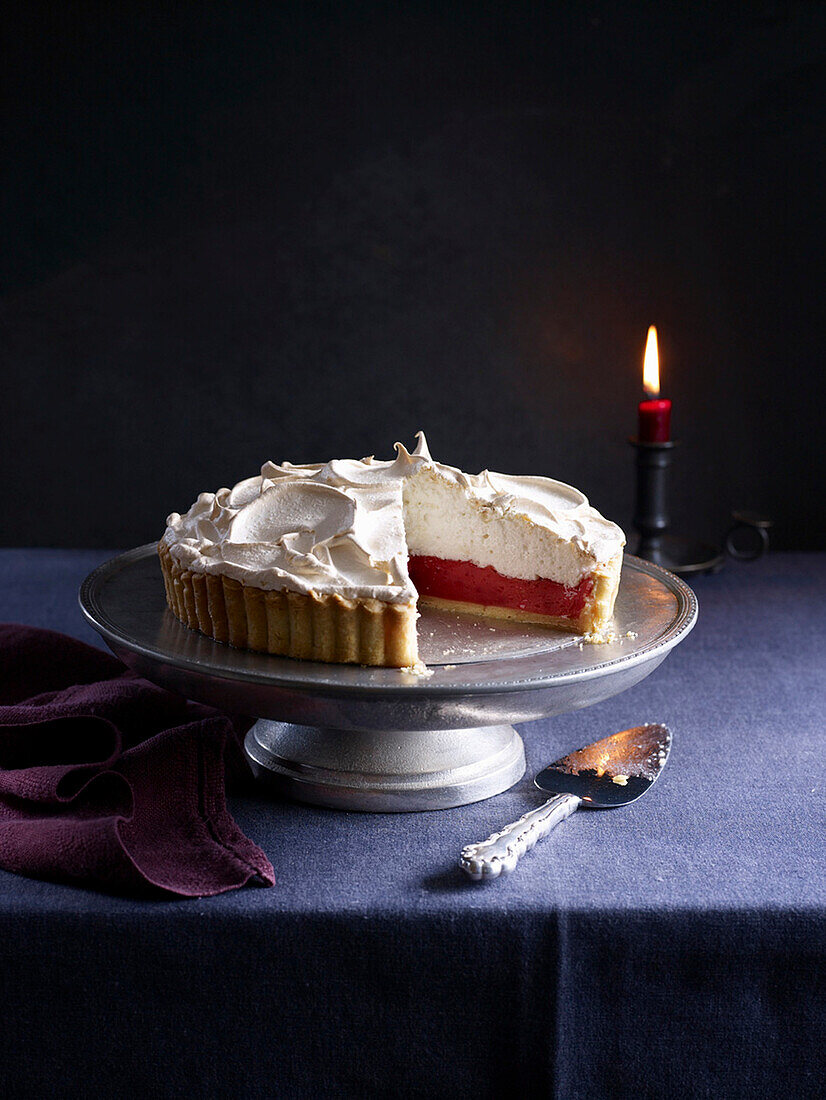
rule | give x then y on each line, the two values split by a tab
609	773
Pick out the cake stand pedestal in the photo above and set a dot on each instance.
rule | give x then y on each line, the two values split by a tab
379	739
413	770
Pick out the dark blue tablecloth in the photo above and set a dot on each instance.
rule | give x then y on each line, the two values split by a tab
674	948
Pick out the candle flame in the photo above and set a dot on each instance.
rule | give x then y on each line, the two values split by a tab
651	365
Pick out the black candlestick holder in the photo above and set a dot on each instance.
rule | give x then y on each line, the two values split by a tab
681	556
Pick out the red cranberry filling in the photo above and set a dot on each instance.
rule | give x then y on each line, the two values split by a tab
464	582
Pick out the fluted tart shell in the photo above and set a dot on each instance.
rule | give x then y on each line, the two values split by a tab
291	624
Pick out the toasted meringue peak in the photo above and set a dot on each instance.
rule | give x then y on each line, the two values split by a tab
347	526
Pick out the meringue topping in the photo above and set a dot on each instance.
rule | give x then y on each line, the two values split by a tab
348	526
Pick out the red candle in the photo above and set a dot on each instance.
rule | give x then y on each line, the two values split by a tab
655	412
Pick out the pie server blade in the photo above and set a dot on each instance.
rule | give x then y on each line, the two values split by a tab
613	771
609	773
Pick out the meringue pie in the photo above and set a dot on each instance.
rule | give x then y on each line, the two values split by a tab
329	562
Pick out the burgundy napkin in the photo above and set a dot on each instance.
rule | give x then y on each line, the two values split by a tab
110	782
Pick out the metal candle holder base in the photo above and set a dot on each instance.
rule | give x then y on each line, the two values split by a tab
746	540
651	520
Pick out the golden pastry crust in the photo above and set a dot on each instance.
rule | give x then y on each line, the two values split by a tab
599	610
334	629
291	624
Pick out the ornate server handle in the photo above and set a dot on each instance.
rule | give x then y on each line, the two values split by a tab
500	853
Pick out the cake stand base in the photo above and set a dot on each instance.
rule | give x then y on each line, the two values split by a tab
389	772
384	739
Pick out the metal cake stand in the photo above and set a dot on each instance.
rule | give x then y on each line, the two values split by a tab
360	738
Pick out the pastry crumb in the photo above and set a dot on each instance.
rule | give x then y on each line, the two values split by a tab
419	669
599	637
620	780
604	637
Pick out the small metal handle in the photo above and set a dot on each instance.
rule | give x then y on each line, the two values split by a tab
755	524
500	853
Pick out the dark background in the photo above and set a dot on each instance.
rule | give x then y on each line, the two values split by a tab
238	232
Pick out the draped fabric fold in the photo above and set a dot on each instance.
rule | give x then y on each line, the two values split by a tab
110	782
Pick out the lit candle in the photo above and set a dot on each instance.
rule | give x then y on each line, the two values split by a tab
655	412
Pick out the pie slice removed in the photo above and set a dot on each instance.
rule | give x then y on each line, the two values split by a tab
330	562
